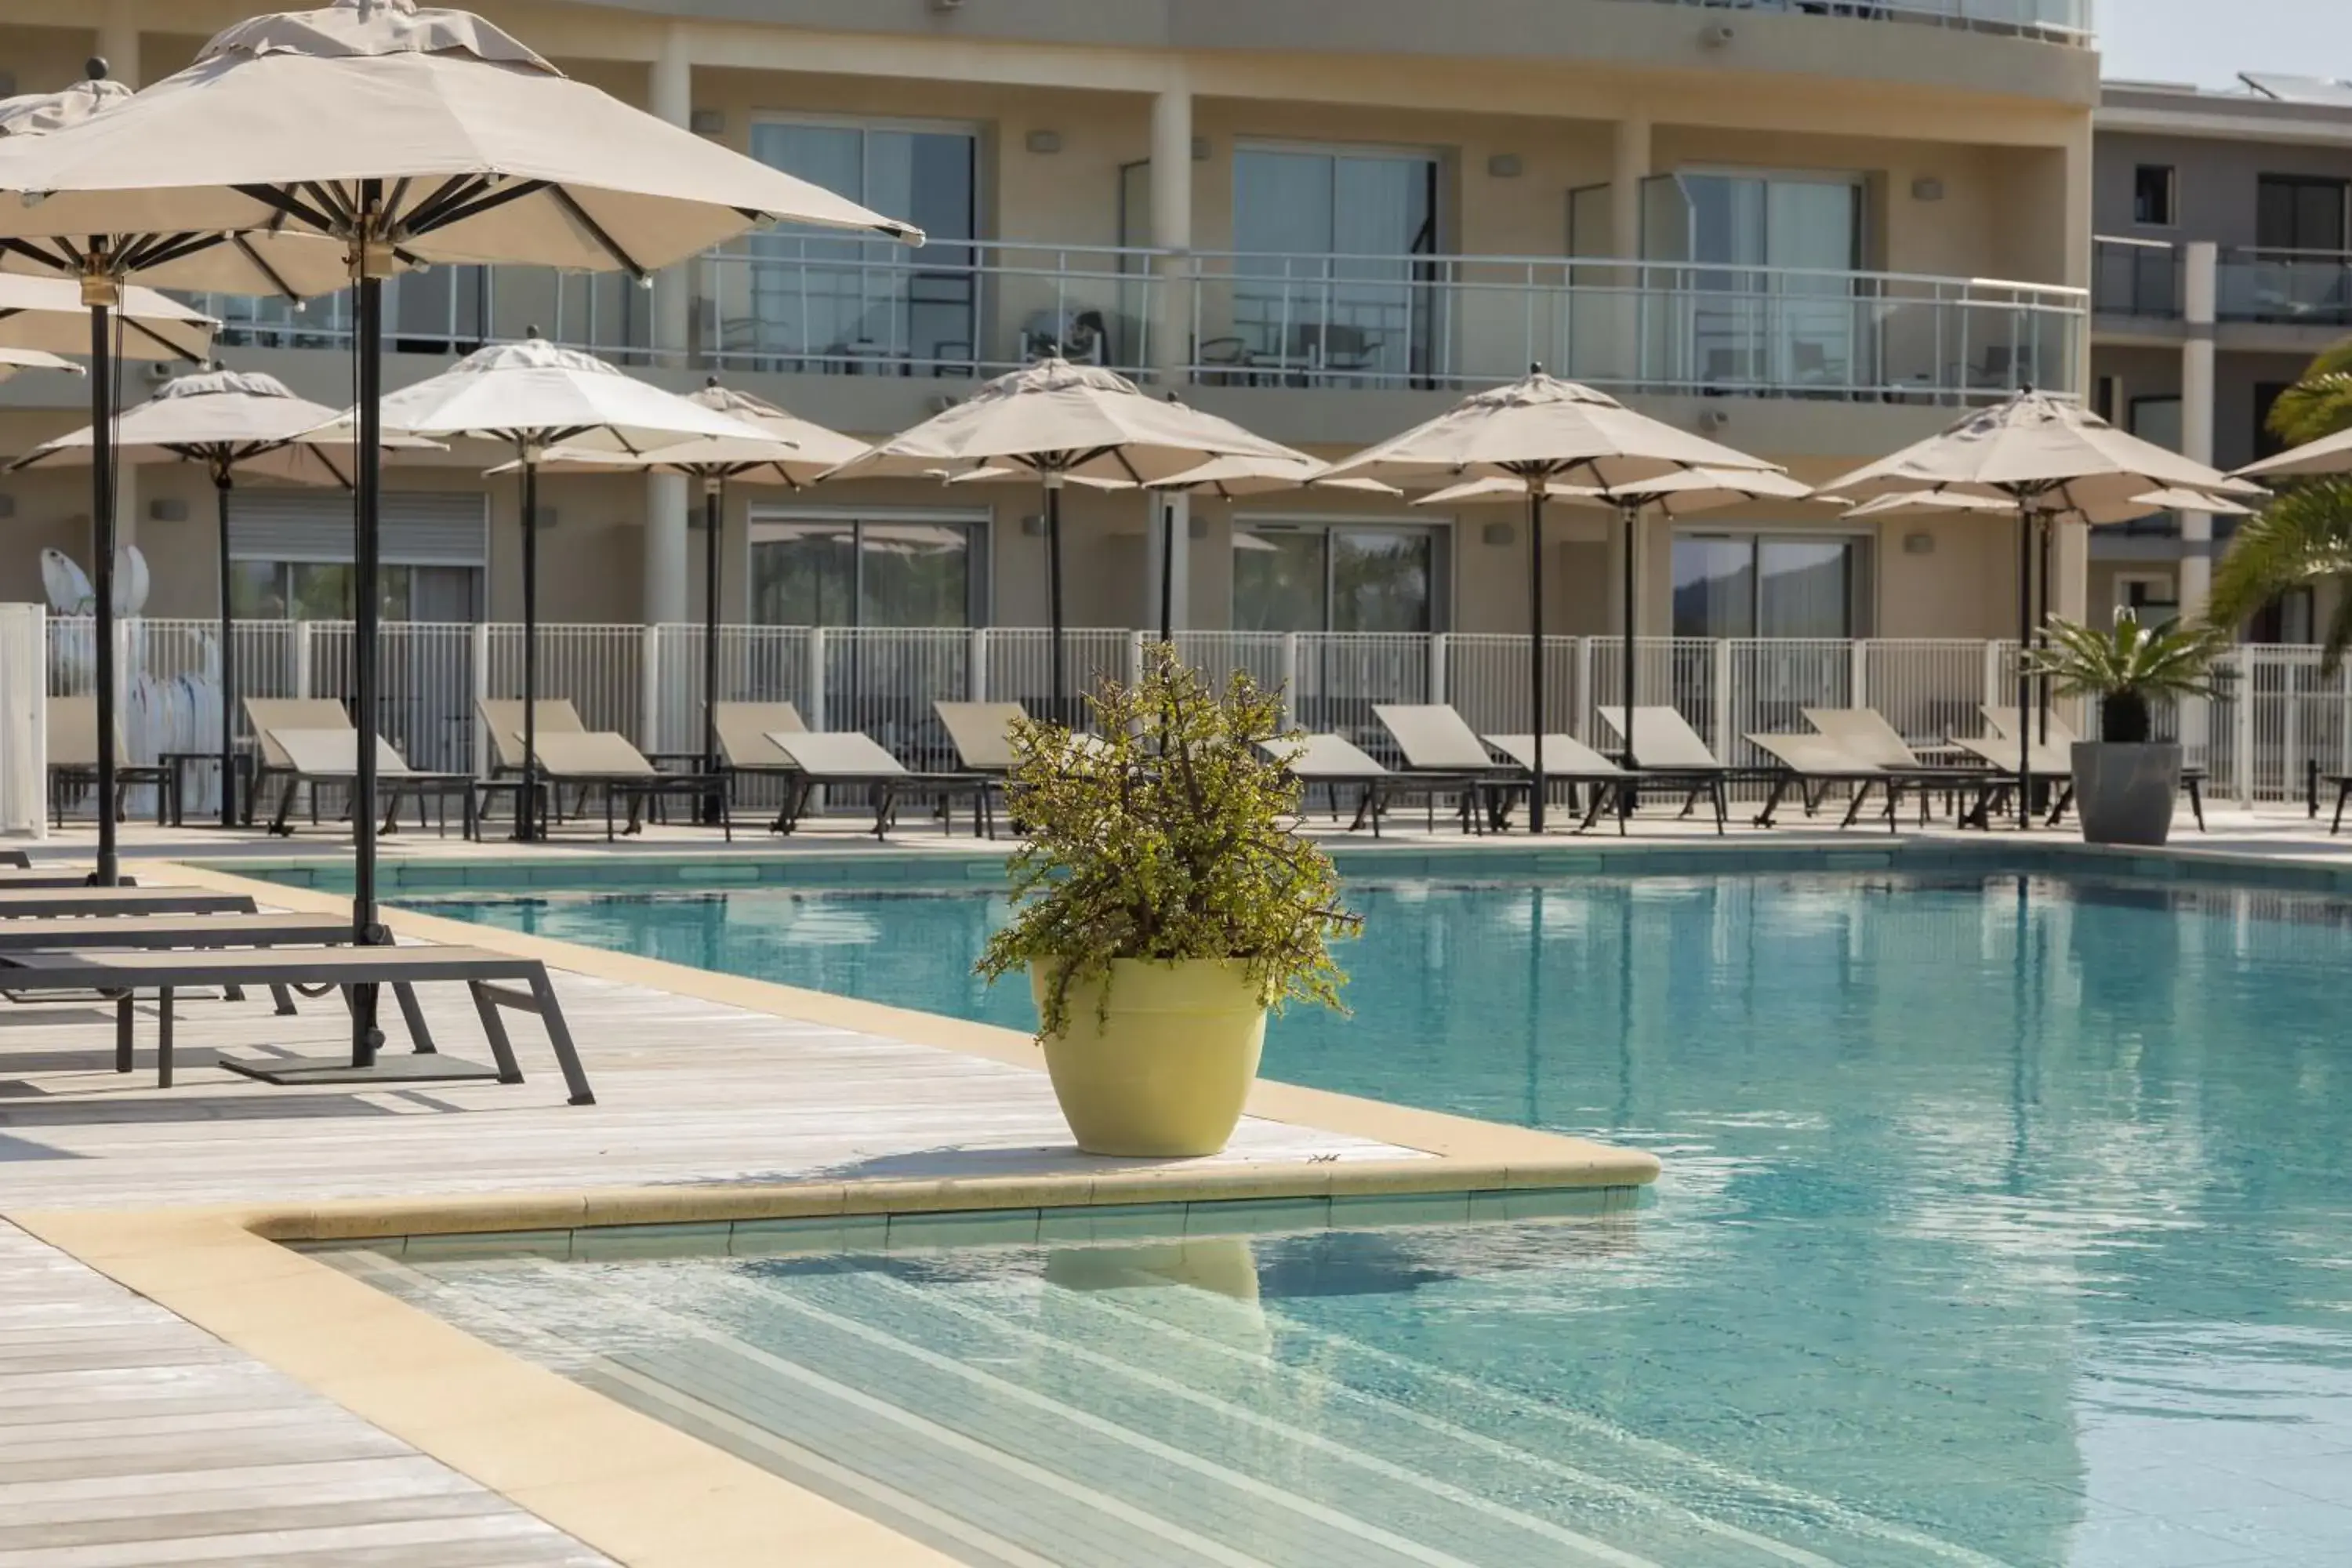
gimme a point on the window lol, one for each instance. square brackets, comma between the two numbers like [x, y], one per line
[835, 569]
[1337, 577]
[849, 303]
[2158, 419]
[2285, 619]
[322, 591]
[2299, 212]
[1327, 282]
[1758, 585]
[1768, 303]
[2154, 187]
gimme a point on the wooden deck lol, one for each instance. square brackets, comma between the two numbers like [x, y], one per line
[131, 1438]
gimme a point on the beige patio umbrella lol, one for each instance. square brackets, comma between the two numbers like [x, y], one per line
[409, 135]
[14, 360]
[1055, 422]
[2328, 455]
[535, 398]
[1536, 433]
[788, 450]
[2048, 460]
[228, 421]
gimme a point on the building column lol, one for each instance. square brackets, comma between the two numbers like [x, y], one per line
[2199, 295]
[118, 42]
[1171, 230]
[671, 98]
[1629, 166]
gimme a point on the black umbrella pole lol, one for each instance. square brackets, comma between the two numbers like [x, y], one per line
[367, 551]
[713, 509]
[1632, 535]
[1536, 658]
[1054, 590]
[101, 575]
[526, 802]
[1167, 571]
[2025, 674]
[228, 667]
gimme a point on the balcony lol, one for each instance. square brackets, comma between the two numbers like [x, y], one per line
[2136, 278]
[2052, 21]
[963, 309]
[2284, 288]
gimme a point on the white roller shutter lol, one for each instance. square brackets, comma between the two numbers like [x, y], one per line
[421, 528]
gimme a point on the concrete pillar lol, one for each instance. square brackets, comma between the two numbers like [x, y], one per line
[1172, 229]
[1171, 524]
[2199, 290]
[118, 42]
[670, 96]
[1629, 165]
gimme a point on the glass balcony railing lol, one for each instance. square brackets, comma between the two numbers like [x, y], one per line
[2054, 21]
[2139, 278]
[964, 309]
[1451, 322]
[2292, 288]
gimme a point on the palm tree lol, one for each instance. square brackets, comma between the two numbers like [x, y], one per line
[2303, 539]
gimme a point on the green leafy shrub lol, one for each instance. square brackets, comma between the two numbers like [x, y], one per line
[1168, 834]
[2127, 666]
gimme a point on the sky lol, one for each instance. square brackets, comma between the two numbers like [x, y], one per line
[2209, 42]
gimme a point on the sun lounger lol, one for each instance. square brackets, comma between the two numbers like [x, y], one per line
[1566, 757]
[71, 741]
[846, 758]
[1811, 764]
[604, 761]
[314, 757]
[15, 859]
[50, 877]
[163, 933]
[743, 743]
[1667, 752]
[1332, 761]
[1435, 739]
[502, 718]
[125, 975]
[58, 903]
[982, 734]
[2060, 736]
[2045, 764]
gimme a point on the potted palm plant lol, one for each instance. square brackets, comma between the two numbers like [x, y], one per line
[2125, 782]
[1164, 902]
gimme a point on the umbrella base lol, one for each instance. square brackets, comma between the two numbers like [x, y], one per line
[392, 1067]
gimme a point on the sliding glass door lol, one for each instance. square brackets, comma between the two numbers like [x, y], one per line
[864, 305]
[1329, 282]
[1764, 296]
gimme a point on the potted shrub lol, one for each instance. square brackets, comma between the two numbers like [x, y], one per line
[2125, 782]
[1163, 903]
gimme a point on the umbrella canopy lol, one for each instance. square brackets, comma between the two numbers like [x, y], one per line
[292, 266]
[2049, 461]
[230, 421]
[1539, 432]
[1059, 421]
[2041, 453]
[451, 143]
[1229, 477]
[787, 450]
[2328, 455]
[536, 397]
[14, 360]
[1675, 494]
[49, 314]
[1932, 503]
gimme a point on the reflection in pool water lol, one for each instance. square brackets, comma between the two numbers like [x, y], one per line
[2010, 1216]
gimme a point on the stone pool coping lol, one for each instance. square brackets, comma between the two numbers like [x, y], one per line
[622, 1482]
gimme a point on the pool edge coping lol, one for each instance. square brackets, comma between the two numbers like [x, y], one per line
[619, 1482]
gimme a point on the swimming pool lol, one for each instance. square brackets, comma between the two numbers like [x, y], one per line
[2004, 1219]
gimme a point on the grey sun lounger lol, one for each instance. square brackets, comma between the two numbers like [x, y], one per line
[1434, 739]
[50, 876]
[2044, 764]
[71, 745]
[851, 759]
[1333, 760]
[1566, 757]
[2060, 736]
[604, 761]
[743, 729]
[124, 974]
[1667, 752]
[982, 734]
[1811, 764]
[314, 757]
[65, 903]
[17, 859]
[165, 933]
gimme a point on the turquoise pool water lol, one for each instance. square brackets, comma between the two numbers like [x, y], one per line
[2004, 1220]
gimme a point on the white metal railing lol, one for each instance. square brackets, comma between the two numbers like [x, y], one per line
[1457, 321]
[2279, 715]
[2054, 21]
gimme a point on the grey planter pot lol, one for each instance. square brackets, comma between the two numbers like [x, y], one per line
[2125, 792]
